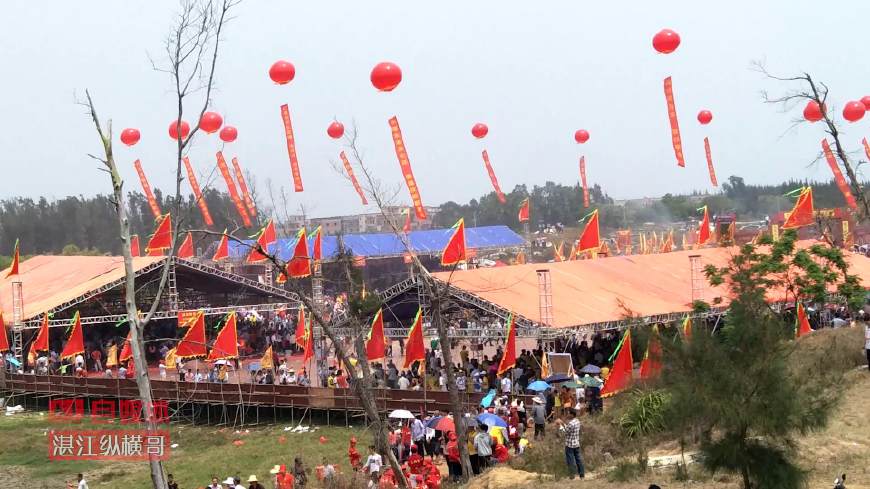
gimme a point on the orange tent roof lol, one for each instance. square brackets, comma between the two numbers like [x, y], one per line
[587, 292]
[50, 281]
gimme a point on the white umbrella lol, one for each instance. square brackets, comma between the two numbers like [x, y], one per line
[401, 414]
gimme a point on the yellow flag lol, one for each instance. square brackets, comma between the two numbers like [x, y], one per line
[169, 360]
[266, 361]
[112, 356]
[545, 366]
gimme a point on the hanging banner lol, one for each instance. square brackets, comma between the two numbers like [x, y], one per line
[231, 188]
[353, 180]
[155, 209]
[197, 192]
[838, 176]
[583, 182]
[675, 125]
[866, 147]
[493, 178]
[405, 165]
[249, 202]
[710, 162]
[291, 148]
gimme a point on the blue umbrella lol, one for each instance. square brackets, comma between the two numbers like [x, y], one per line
[487, 400]
[491, 420]
[590, 369]
[432, 422]
[558, 378]
[538, 386]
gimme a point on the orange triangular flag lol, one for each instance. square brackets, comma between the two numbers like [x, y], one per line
[545, 365]
[406, 228]
[266, 237]
[223, 248]
[704, 228]
[193, 342]
[803, 322]
[4, 338]
[317, 244]
[226, 345]
[454, 252]
[523, 214]
[300, 265]
[309, 341]
[604, 249]
[651, 365]
[300, 327]
[41, 341]
[162, 237]
[620, 374]
[802, 213]
[134, 246]
[590, 239]
[186, 249]
[415, 348]
[509, 358]
[376, 342]
[13, 269]
[76, 343]
[127, 349]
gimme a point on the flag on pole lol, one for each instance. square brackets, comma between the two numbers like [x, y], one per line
[127, 349]
[193, 342]
[222, 252]
[704, 228]
[309, 341]
[651, 366]
[4, 338]
[41, 341]
[317, 245]
[226, 345]
[300, 327]
[590, 239]
[265, 238]
[16, 257]
[455, 252]
[376, 342]
[557, 252]
[266, 362]
[545, 365]
[299, 265]
[620, 375]
[415, 348]
[186, 249]
[406, 228]
[134, 246]
[687, 328]
[509, 357]
[802, 326]
[523, 214]
[802, 213]
[162, 237]
[75, 344]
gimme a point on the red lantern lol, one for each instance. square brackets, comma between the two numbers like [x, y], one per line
[705, 116]
[386, 76]
[853, 111]
[211, 122]
[229, 134]
[173, 129]
[479, 130]
[666, 41]
[581, 136]
[812, 112]
[866, 101]
[335, 130]
[130, 136]
[282, 72]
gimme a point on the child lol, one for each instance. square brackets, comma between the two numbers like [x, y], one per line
[353, 454]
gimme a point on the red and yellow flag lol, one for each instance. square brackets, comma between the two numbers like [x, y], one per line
[668, 243]
[231, 189]
[243, 186]
[16, 258]
[193, 342]
[317, 244]
[704, 228]
[802, 326]
[162, 237]
[309, 342]
[802, 213]
[376, 343]
[405, 165]
[591, 238]
[866, 147]
[197, 193]
[687, 328]
[838, 176]
[356, 186]
[76, 342]
[299, 265]
[226, 345]
[4, 338]
[710, 162]
[651, 365]
[41, 341]
[186, 249]
[493, 178]
[676, 141]
[455, 252]
[620, 375]
[583, 182]
[415, 348]
[265, 237]
[291, 148]
[509, 357]
[523, 214]
[146, 188]
[127, 349]
[266, 362]
[604, 250]
[222, 251]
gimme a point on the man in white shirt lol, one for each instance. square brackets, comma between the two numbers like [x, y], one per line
[442, 380]
[80, 361]
[83, 484]
[404, 383]
[506, 385]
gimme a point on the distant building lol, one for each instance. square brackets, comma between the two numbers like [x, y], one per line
[642, 202]
[373, 222]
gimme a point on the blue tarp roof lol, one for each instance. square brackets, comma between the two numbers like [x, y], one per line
[387, 244]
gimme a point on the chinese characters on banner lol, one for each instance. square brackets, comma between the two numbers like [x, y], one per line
[838, 175]
[197, 192]
[291, 148]
[102, 410]
[155, 209]
[675, 125]
[249, 202]
[493, 178]
[710, 162]
[405, 165]
[583, 181]
[126, 445]
[353, 180]
[231, 188]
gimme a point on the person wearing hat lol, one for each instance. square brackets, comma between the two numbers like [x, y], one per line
[253, 483]
[283, 479]
[539, 416]
[237, 483]
[230, 483]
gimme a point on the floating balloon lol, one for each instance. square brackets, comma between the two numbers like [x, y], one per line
[812, 112]
[581, 136]
[666, 41]
[211, 122]
[853, 111]
[173, 129]
[229, 134]
[705, 116]
[866, 101]
[130, 136]
[335, 130]
[479, 130]
[386, 76]
[282, 72]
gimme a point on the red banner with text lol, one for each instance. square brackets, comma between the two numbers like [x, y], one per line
[197, 192]
[493, 178]
[291, 148]
[353, 180]
[710, 162]
[838, 176]
[146, 188]
[405, 165]
[249, 202]
[675, 125]
[231, 188]
[583, 181]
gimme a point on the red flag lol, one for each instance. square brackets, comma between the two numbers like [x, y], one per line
[134, 246]
[243, 186]
[266, 237]
[492, 178]
[317, 245]
[376, 343]
[583, 182]
[186, 249]
[803, 322]
[406, 228]
[509, 358]
[299, 265]
[523, 214]
[651, 366]
[193, 342]
[802, 213]
[349, 170]
[675, 125]
[710, 163]
[309, 342]
[146, 188]
[668, 244]
[300, 327]
[226, 345]
[127, 349]
[223, 248]
[16, 257]
[291, 148]
[197, 192]
[838, 176]
[454, 252]
[41, 341]
[405, 165]
[231, 189]
[162, 237]
[590, 239]
[415, 348]
[620, 374]
[76, 343]
[866, 147]
[4, 338]
[704, 228]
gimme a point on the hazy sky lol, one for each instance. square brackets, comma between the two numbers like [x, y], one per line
[533, 71]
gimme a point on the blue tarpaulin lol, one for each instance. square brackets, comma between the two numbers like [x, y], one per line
[386, 244]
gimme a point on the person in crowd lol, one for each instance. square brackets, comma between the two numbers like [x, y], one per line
[299, 473]
[454, 465]
[353, 454]
[373, 463]
[867, 343]
[483, 446]
[97, 359]
[418, 435]
[170, 482]
[237, 483]
[253, 483]
[539, 416]
[571, 434]
[283, 479]
[215, 483]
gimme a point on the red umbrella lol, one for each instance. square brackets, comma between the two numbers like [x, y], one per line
[445, 424]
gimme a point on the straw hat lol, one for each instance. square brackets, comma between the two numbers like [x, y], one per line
[276, 469]
[253, 478]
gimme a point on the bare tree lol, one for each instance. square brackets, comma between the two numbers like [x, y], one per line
[817, 91]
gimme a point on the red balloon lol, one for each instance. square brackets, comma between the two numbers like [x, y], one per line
[229, 134]
[130, 136]
[705, 116]
[335, 130]
[173, 129]
[386, 76]
[323, 440]
[581, 136]
[812, 112]
[666, 41]
[282, 72]
[853, 111]
[479, 130]
[211, 122]
[866, 101]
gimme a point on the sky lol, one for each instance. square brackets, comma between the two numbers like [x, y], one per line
[534, 72]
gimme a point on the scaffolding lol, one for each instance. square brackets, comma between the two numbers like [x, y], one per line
[17, 326]
[697, 278]
[545, 297]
